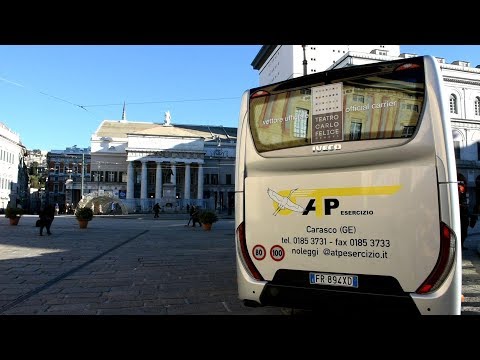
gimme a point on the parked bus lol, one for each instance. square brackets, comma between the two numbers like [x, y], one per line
[346, 187]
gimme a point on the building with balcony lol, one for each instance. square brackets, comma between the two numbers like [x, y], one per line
[67, 177]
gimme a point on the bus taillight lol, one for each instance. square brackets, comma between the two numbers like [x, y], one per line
[247, 261]
[259, 93]
[407, 67]
[444, 263]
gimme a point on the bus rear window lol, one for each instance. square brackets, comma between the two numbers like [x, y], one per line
[380, 105]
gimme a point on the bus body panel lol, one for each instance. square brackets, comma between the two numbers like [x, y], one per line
[377, 221]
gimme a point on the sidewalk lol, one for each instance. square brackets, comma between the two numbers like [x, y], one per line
[162, 216]
[473, 238]
[471, 272]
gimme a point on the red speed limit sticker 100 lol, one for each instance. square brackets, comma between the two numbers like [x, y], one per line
[277, 253]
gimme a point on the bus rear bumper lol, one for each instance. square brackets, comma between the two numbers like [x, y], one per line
[328, 302]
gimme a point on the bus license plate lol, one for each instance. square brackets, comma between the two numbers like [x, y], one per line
[334, 279]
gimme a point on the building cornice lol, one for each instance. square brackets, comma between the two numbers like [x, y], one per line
[262, 56]
[461, 81]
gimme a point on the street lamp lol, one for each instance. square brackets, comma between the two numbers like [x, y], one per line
[69, 187]
[83, 172]
[304, 61]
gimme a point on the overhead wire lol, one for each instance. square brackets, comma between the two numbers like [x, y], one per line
[84, 107]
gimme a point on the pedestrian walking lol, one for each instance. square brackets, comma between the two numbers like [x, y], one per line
[195, 217]
[46, 218]
[156, 209]
[190, 211]
[113, 208]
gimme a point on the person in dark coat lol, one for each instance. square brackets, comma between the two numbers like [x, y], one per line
[156, 209]
[466, 217]
[195, 216]
[46, 219]
[190, 212]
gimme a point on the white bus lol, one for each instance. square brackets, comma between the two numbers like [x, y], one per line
[346, 193]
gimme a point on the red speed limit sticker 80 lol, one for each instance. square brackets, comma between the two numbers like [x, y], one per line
[259, 252]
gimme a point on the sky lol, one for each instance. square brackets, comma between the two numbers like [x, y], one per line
[56, 96]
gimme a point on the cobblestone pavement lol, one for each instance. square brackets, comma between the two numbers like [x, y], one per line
[121, 266]
[471, 273]
[139, 266]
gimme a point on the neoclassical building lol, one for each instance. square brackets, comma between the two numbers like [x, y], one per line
[138, 164]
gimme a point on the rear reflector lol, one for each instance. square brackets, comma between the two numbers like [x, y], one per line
[246, 259]
[444, 263]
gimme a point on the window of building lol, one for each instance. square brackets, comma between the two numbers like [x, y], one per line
[229, 179]
[206, 179]
[408, 131]
[111, 176]
[453, 104]
[478, 150]
[300, 123]
[355, 130]
[358, 98]
[477, 106]
[411, 107]
[214, 179]
[98, 176]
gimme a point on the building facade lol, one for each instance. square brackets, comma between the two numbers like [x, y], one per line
[461, 90]
[67, 177]
[139, 164]
[13, 170]
[36, 162]
[281, 62]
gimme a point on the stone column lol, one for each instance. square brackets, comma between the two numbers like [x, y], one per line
[144, 183]
[130, 180]
[158, 181]
[173, 178]
[187, 182]
[200, 181]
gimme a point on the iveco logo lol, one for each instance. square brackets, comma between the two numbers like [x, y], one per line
[330, 147]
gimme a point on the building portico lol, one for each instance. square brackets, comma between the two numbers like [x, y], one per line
[165, 164]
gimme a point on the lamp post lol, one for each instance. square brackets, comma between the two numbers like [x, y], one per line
[68, 189]
[83, 165]
[98, 179]
[304, 63]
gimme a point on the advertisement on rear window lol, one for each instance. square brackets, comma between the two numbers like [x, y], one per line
[345, 111]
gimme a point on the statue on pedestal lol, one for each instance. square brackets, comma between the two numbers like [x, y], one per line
[168, 118]
[168, 176]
